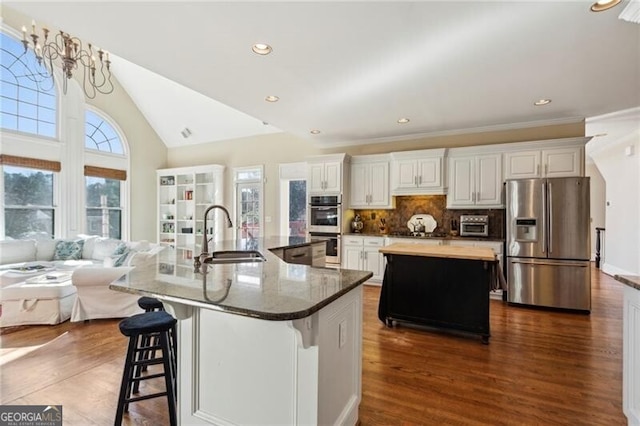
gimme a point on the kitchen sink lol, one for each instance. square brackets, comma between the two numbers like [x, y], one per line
[234, 256]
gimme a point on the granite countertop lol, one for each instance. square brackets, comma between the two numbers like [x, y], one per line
[437, 237]
[271, 290]
[630, 280]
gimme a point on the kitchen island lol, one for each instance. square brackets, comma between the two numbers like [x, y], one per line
[261, 341]
[631, 348]
[446, 287]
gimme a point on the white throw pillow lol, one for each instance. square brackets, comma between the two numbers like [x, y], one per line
[14, 251]
[104, 247]
[45, 249]
[89, 245]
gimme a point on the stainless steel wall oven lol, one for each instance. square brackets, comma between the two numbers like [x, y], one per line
[325, 214]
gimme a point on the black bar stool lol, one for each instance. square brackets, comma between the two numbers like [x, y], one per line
[138, 328]
[150, 304]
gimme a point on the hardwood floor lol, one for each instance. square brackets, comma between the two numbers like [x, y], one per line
[540, 368]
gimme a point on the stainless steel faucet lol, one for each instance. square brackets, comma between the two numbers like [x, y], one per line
[205, 243]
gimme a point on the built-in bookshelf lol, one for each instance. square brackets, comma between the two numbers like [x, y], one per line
[183, 196]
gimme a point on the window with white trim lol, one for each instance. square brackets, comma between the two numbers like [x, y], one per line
[103, 186]
[29, 208]
[249, 199]
[25, 106]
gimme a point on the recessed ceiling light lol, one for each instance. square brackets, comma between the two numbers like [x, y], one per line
[403, 120]
[261, 48]
[599, 135]
[314, 131]
[541, 102]
[602, 5]
[272, 98]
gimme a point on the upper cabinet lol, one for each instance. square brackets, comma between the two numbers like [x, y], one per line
[325, 174]
[475, 181]
[370, 182]
[417, 172]
[558, 158]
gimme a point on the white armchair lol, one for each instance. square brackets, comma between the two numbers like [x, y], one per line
[96, 300]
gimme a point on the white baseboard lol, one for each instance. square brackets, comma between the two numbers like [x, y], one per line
[614, 270]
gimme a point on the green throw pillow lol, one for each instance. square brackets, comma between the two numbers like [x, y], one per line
[120, 254]
[68, 250]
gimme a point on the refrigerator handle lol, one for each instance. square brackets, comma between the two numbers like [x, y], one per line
[550, 216]
[538, 263]
[544, 217]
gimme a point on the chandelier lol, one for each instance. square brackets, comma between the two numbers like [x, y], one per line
[68, 52]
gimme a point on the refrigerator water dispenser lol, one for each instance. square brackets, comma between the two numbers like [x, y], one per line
[526, 229]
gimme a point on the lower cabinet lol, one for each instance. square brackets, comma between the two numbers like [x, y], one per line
[361, 253]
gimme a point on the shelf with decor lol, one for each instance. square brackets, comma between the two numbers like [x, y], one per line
[183, 195]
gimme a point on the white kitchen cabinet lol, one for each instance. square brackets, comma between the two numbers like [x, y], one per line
[417, 172]
[183, 196]
[475, 181]
[548, 162]
[370, 182]
[361, 253]
[326, 174]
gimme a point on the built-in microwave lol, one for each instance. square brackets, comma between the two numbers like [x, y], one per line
[325, 214]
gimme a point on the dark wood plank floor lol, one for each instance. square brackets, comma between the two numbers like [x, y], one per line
[540, 368]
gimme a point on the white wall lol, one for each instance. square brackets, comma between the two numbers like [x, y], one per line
[617, 157]
[598, 200]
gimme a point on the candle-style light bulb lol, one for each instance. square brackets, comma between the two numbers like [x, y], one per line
[33, 26]
[24, 32]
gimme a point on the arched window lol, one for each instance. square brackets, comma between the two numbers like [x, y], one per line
[104, 186]
[101, 135]
[26, 106]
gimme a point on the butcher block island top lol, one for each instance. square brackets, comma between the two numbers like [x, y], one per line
[451, 252]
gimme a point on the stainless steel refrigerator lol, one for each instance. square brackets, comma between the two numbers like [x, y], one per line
[548, 242]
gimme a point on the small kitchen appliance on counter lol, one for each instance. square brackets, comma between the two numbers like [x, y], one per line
[357, 224]
[474, 225]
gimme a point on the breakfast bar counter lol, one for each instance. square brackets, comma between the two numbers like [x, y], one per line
[261, 341]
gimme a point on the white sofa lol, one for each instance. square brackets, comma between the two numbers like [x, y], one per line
[87, 294]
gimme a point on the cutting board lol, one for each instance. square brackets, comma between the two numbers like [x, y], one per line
[454, 252]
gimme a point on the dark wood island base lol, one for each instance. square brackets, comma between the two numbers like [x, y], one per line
[442, 287]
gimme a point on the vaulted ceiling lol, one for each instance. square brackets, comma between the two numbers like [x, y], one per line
[352, 69]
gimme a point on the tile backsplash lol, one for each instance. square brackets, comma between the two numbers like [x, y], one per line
[436, 206]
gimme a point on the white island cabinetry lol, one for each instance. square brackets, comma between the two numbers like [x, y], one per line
[238, 370]
[631, 349]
